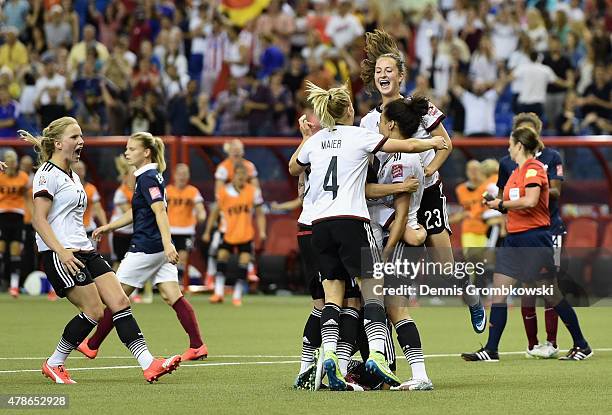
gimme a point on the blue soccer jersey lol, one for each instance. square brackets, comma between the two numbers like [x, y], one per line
[554, 170]
[150, 188]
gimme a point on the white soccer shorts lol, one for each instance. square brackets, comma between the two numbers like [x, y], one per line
[138, 267]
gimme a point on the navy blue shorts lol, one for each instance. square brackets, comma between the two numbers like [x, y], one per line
[527, 256]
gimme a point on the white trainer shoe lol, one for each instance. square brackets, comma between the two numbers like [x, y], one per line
[414, 385]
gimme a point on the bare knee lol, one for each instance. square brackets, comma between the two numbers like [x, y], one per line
[119, 302]
[94, 311]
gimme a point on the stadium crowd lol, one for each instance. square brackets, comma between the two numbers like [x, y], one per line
[189, 68]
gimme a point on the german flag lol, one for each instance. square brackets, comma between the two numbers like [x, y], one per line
[240, 12]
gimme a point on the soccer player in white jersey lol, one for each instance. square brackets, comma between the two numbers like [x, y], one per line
[338, 157]
[74, 269]
[152, 255]
[384, 69]
[396, 219]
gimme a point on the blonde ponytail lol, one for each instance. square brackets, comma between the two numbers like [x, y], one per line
[156, 145]
[329, 105]
[45, 145]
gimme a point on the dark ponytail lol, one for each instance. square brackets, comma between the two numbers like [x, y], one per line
[407, 113]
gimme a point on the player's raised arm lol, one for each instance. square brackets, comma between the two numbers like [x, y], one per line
[414, 145]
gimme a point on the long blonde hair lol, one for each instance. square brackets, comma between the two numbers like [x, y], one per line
[329, 105]
[45, 144]
[156, 145]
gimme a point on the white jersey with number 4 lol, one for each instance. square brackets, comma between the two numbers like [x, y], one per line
[338, 161]
[429, 122]
[69, 202]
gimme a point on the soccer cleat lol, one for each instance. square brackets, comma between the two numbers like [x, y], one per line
[57, 374]
[544, 351]
[210, 282]
[332, 369]
[161, 367]
[577, 353]
[199, 353]
[531, 353]
[377, 365]
[478, 316]
[319, 370]
[14, 292]
[237, 302]
[481, 355]
[84, 348]
[414, 385]
[354, 387]
[306, 379]
[216, 299]
[51, 295]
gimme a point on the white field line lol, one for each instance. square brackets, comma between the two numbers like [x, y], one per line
[264, 356]
[277, 362]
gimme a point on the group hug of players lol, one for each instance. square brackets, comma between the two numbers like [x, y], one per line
[369, 193]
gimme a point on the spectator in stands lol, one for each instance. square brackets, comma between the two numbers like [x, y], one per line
[27, 108]
[237, 52]
[87, 96]
[110, 22]
[180, 107]
[479, 105]
[203, 120]
[457, 16]
[597, 99]
[272, 57]
[156, 113]
[54, 103]
[555, 95]
[14, 13]
[519, 57]
[429, 25]
[215, 44]
[145, 78]
[173, 82]
[277, 19]
[299, 35]
[9, 113]
[49, 79]
[536, 30]
[8, 80]
[140, 29]
[560, 27]
[117, 111]
[294, 76]
[483, 67]
[575, 13]
[575, 49]
[343, 26]
[259, 107]
[318, 19]
[504, 34]
[284, 109]
[58, 31]
[473, 30]
[567, 123]
[122, 52]
[146, 53]
[230, 110]
[13, 53]
[533, 79]
[78, 53]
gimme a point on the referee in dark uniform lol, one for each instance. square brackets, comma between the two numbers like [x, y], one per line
[527, 253]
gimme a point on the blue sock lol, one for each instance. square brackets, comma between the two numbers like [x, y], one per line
[570, 319]
[497, 323]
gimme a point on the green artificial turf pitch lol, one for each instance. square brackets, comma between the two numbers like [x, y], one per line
[254, 357]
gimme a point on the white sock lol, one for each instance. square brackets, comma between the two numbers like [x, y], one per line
[220, 285]
[14, 281]
[238, 288]
[418, 371]
[211, 267]
[145, 359]
[60, 354]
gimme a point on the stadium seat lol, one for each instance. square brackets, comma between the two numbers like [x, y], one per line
[606, 240]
